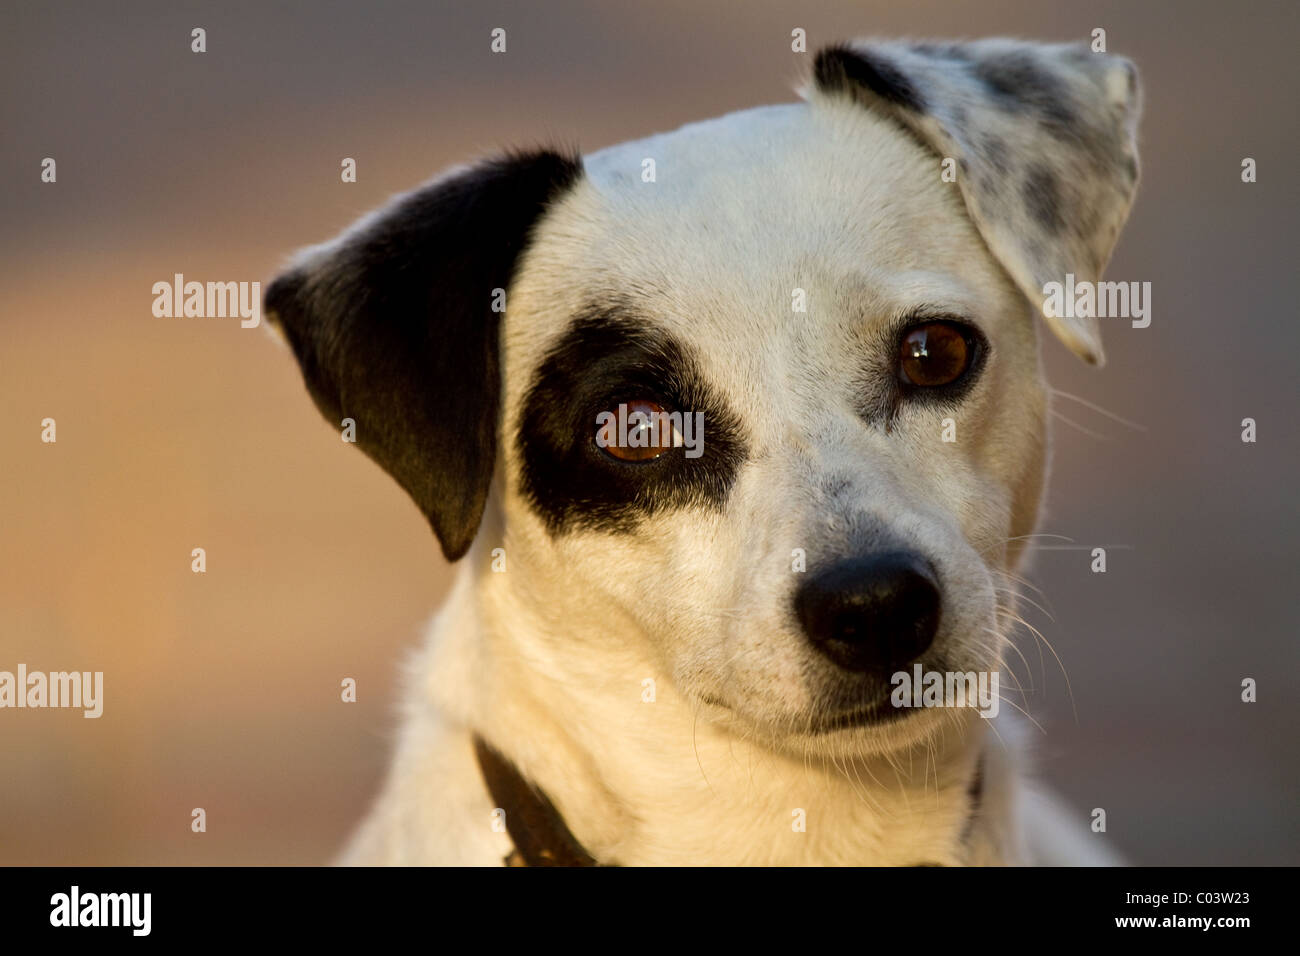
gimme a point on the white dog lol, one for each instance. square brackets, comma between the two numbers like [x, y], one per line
[672, 648]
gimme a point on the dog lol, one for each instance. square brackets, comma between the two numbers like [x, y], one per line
[654, 657]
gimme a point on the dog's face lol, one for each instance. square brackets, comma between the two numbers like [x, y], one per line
[841, 317]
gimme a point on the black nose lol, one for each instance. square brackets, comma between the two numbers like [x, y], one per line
[875, 613]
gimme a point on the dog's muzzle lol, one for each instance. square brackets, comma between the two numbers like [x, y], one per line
[874, 613]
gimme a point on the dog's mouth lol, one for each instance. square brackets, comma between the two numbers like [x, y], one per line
[871, 710]
[875, 713]
[872, 715]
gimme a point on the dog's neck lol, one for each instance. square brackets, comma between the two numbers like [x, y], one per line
[642, 782]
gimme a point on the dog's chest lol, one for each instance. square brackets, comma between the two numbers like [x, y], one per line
[760, 815]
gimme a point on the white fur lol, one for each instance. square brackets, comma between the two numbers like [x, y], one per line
[548, 659]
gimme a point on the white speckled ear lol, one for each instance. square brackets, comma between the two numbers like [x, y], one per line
[1044, 138]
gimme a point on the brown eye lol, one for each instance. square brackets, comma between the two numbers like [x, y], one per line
[937, 353]
[635, 431]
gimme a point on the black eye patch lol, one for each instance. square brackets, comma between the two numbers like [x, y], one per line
[609, 356]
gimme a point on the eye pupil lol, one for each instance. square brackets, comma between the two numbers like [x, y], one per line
[934, 354]
[635, 431]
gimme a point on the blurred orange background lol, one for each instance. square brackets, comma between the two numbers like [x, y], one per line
[222, 689]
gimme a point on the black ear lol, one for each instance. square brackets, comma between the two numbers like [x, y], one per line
[394, 327]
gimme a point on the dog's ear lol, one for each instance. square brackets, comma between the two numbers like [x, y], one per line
[1044, 140]
[395, 325]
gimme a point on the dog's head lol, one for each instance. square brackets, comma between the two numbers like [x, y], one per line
[835, 297]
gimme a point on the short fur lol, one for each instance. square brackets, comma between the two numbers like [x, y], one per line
[677, 578]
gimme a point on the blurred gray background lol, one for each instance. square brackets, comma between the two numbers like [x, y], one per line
[222, 689]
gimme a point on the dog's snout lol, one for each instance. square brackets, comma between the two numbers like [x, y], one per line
[872, 613]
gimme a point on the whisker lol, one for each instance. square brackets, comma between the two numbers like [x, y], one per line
[994, 727]
[1023, 711]
[1030, 601]
[1076, 425]
[1061, 664]
[1029, 671]
[1026, 537]
[1098, 409]
[1024, 582]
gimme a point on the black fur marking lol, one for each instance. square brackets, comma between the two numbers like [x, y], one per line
[839, 69]
[994, 152]
[975, 789]
[989, 185]
[943, 51]
[608, 356]
[1042, 195]
[1016, 82]
[395, 330]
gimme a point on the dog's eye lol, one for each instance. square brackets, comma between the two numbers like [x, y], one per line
[933, 354]
[636, 431]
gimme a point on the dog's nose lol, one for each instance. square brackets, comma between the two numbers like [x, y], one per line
[874, 613]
